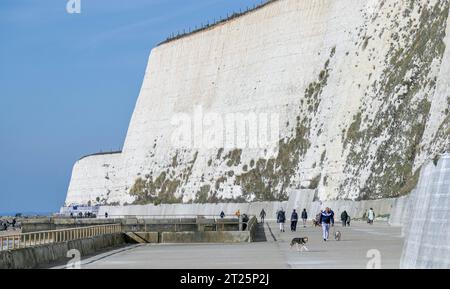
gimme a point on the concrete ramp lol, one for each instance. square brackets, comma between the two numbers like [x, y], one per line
[142, 237]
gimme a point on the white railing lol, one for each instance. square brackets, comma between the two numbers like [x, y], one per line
[26, 240]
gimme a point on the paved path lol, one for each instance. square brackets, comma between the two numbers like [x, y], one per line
[350, 252]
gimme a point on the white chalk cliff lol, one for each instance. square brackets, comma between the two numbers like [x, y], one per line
[362, 88]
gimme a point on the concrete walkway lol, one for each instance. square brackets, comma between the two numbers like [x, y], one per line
[275, 253]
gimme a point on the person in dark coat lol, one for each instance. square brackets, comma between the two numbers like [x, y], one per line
[344, 217]
[222, 215]
[304, 217]
[245, 220]
[294, 220]
[281, 219]
[262, 215]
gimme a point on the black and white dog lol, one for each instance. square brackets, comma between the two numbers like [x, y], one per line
[300, 243]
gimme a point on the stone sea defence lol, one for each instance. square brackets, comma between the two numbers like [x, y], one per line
[427, 225]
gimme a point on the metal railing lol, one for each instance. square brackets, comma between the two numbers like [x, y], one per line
[178, 216]
[26, 240]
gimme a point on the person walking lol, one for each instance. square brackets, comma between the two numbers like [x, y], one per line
[262, 215]
[344, 217]
[238, 213]
[222, 215]
[326, 220]
[370, 216]
[281, 219]
[316, 220]
[294, 221]
[245, 220]
[348, 220]
[304, 217]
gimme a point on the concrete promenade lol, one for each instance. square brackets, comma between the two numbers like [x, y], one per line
[350, 252]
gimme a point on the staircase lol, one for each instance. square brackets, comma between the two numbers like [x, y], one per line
[260, 235]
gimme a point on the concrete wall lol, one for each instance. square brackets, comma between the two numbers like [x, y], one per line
[400, 211]
[47, 224]
[427, 231]
[178, 210]
[304, 199]
[267, 62]
[205, 237]
[299, 199]
[29, 258]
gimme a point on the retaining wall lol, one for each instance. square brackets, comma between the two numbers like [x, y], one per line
[427, 229]
[42, 256]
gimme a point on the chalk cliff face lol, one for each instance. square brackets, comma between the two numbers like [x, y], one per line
[361, 88]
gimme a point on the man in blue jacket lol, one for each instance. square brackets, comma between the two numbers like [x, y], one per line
[327, 220]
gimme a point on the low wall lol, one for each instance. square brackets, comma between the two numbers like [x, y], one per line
[168, 210]
[177, 224]
[42, 256]
[48, 224]
[205, 237]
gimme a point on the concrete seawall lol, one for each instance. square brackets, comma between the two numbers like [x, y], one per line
[426, 230]
[298, 200]
[48, 224]
[168, 210]
[42, 256]
[205, 237]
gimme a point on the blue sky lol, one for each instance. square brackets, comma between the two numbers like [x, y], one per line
[69, 83]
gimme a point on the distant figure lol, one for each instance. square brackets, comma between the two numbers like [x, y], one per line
[71, 215]
[106, 215]
[262, 215]
[370, 216]
[316, 220]
[344, 217]
[348, 220]
[304, 217]
[326, 220]
[281, 219]
[294, 220]
[222, 215]
[238, 213]
[14, 223]
[245, 220]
